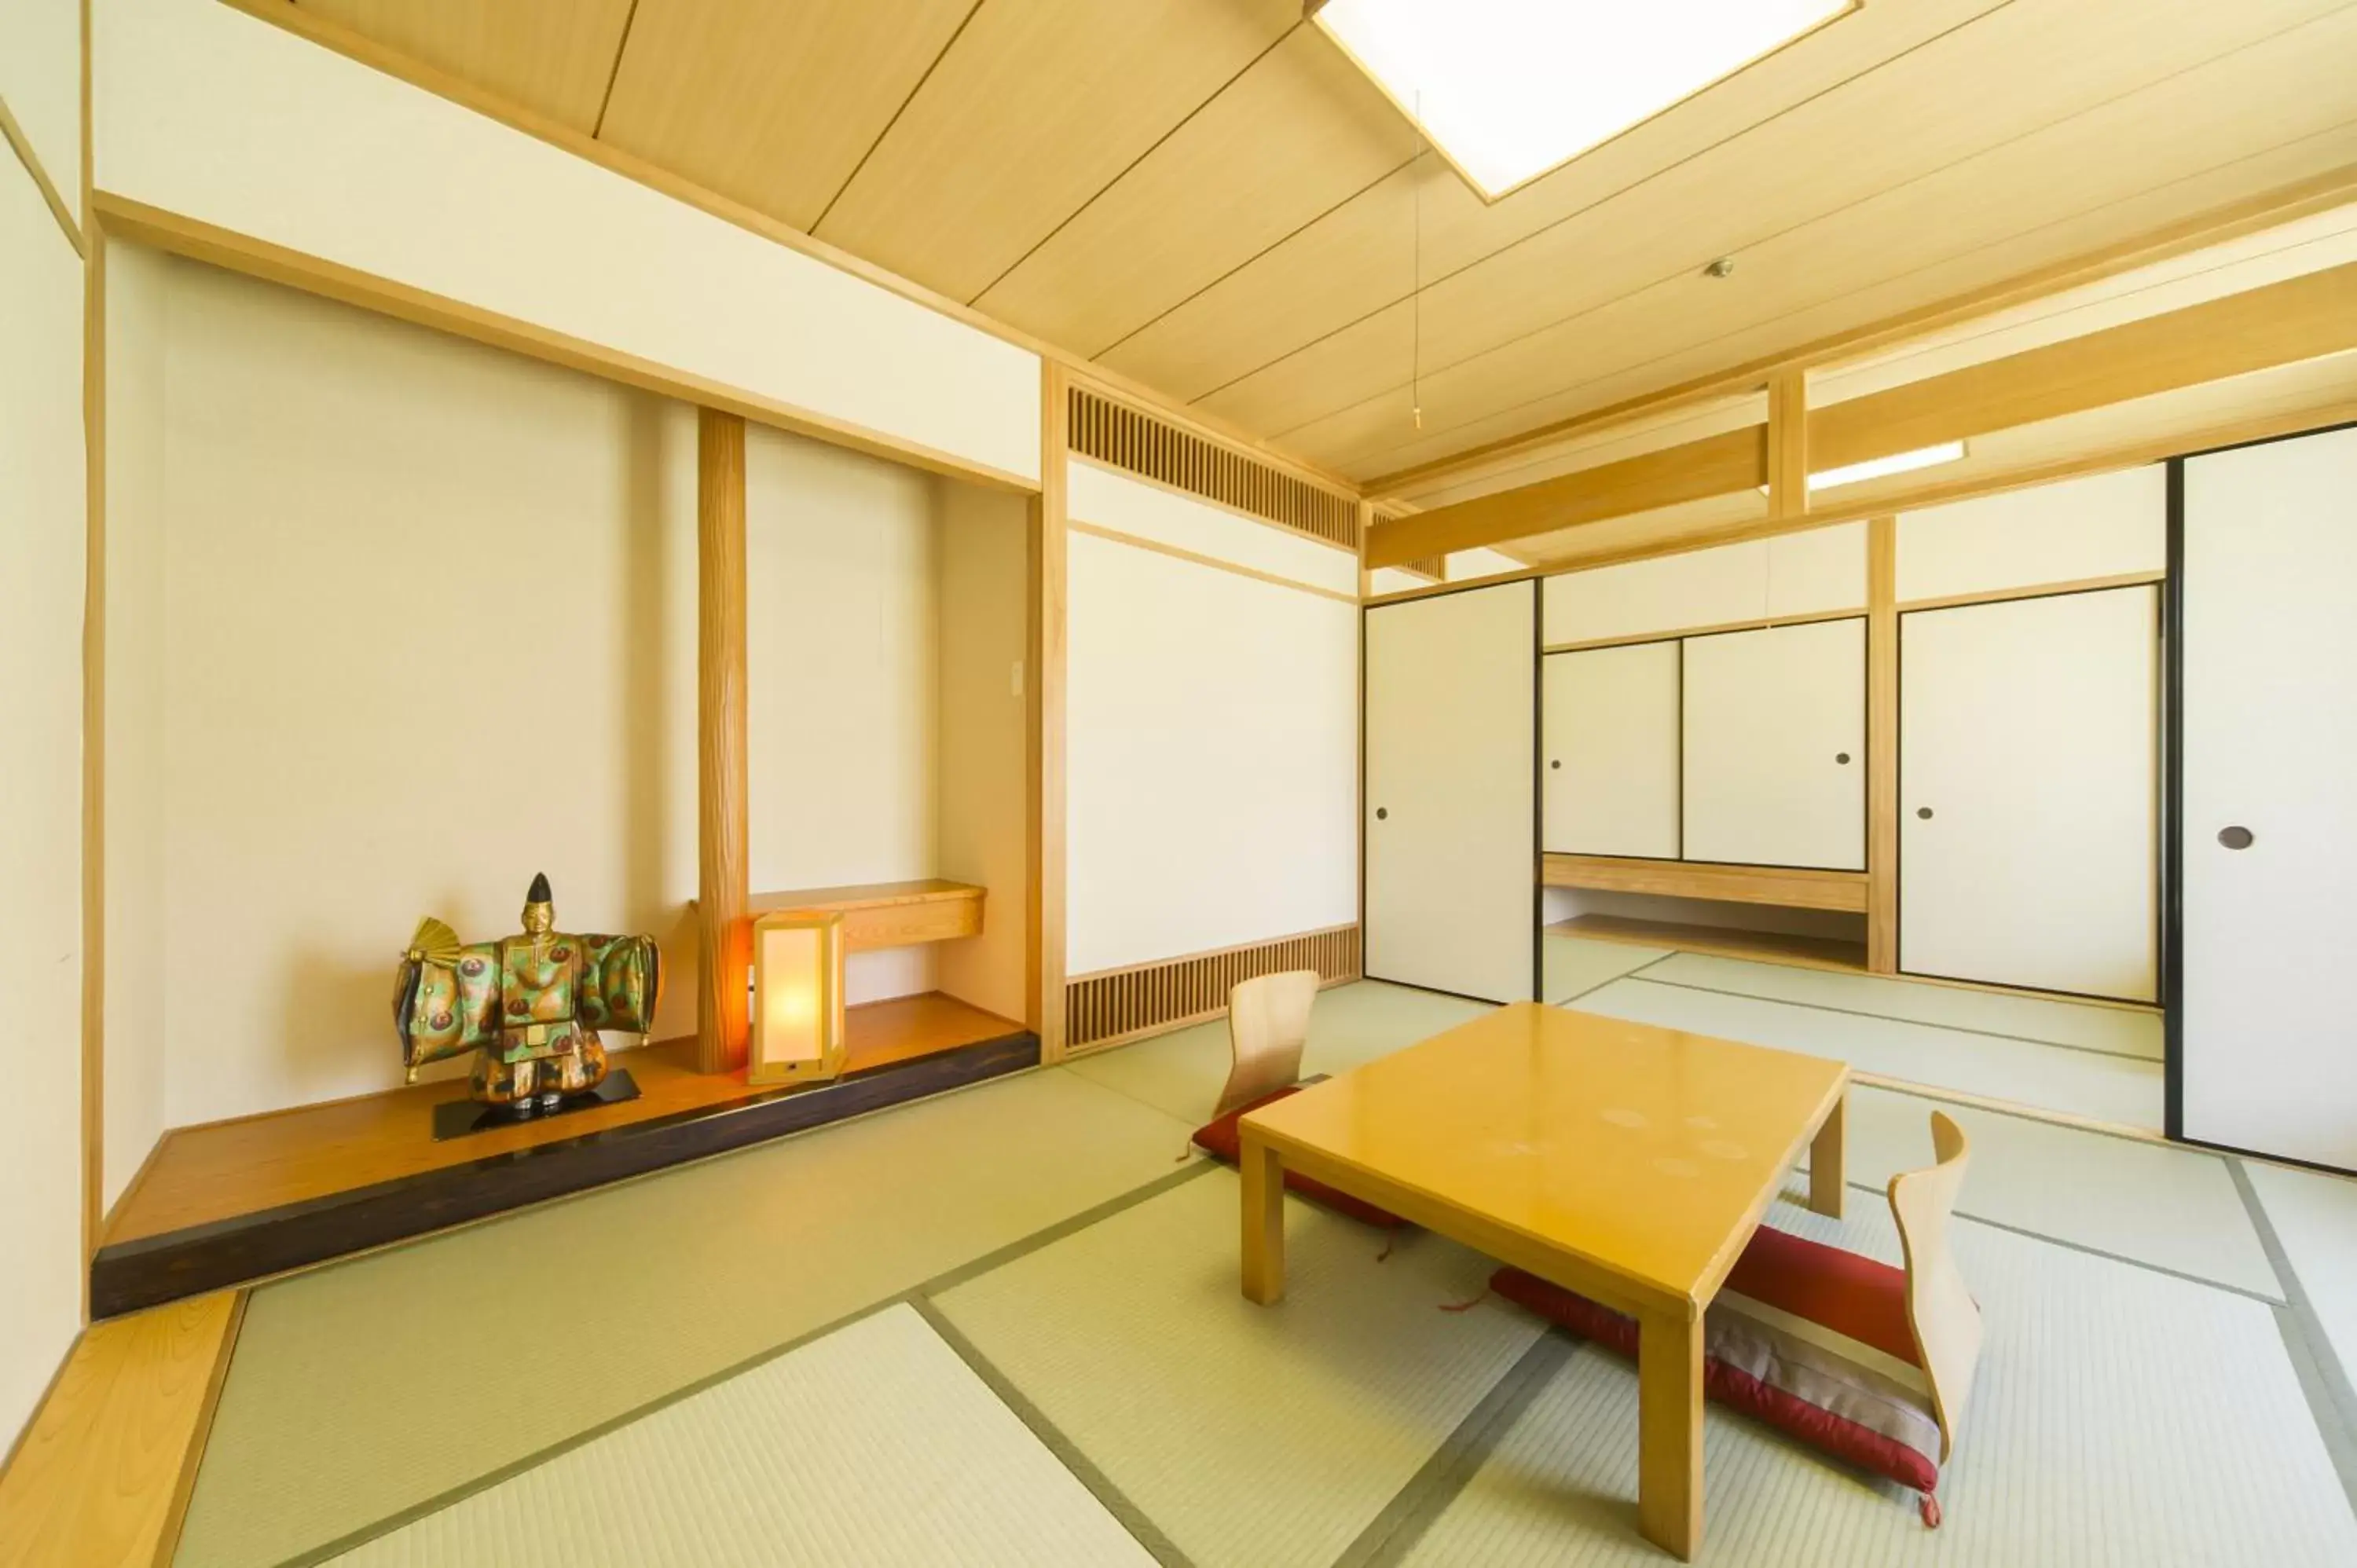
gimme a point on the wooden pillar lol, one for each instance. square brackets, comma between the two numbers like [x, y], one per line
[724, 939]
[1882, 745]
[1788, 443]
[94, 743]
[1046, 691]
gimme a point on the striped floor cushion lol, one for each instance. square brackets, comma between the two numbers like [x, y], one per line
[1219, 1139]
[1808, 1338]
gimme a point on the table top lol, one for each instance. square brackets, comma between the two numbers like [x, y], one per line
[1649, 1153]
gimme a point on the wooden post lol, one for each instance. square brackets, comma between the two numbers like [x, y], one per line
[724, 939]
[1047, 715]
[1882, 745]
[1788, 443]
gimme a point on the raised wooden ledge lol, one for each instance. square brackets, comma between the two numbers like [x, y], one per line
[1791, 888]
[889, 914]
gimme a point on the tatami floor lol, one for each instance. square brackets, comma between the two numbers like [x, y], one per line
[1003, 1326]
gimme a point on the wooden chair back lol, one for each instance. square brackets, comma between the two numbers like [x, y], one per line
[1941, 1311]
[1268, 1023]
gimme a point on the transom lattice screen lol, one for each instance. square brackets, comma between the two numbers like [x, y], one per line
[1103, 1009]
[1115, 433]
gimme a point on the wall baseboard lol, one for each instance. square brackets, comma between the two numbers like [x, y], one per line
[1115, 1006]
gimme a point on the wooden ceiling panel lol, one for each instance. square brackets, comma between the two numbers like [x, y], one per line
[1776, 180]
[1299, 132]
[771, 104]
[1358, 258]
[553, 57]
[1036, 108]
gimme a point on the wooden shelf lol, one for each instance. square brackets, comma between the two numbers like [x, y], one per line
[230, 1201]
[889, 914]
[1789, 888]
[1720, 941]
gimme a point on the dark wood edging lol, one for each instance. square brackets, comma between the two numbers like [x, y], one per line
[156, 1269]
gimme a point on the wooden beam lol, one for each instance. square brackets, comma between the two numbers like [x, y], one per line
[1788, 443]
[102, 1477]
[2300, 318]
[1882, 745]
[1049, 538]
[1714, 465]
[724, 936]
[2265, 211]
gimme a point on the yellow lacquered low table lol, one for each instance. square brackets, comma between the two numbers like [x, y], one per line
[1627, 1162]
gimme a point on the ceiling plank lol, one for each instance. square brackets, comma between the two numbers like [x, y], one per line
[772, 106]
[553, 57]
[1033, 111]
[1299, 132]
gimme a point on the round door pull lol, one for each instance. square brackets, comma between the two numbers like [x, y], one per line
[1842, 757]
[1557, 763]
[1924, 812]
[1380, 813]
[2234, 837]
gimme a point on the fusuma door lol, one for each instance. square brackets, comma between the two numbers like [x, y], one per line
[2267, 1042]
[1609, 774]
[1450, 799]
[1775, 745]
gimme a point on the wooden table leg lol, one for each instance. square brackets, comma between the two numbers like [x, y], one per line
[1264, 1237]
[1828, 1167]
[1669, 1432]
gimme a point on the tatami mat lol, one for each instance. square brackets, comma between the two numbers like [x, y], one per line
[2315, 1220]
[2124, 1031]
[1253, 1437]
[1181, 1072]
[2172, 1209]
[2121, 1090]
[874, 1444]
[2119, 1417]
[369, 1388]
[1576, 965]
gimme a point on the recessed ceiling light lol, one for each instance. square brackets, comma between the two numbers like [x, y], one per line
[1508, 89]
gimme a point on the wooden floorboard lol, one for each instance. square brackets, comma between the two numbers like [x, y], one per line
[222, 1169]
[102, 1480]
[1721, 941]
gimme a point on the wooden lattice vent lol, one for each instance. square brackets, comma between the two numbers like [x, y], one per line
[1117, 434]
[1120, 1004]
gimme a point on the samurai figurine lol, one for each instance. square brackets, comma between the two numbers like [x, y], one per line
[529, 1005]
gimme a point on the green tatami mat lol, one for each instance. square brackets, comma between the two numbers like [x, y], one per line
[1181, 1072]
[2056, 1022]
[873, 1444]
[2118, 1090]
[369, 1388]
[2172, 1209]
[1576, 965]
[1257, 1437]
[2120, 1419]
[2315, 1221]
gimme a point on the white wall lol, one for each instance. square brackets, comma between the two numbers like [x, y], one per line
[40, 79]
[1810, 573]
[2101, 526]
[426, 626]
[1468, 563]
[1102, 498]
[1210, 753]
[208, 112]
[42, 531]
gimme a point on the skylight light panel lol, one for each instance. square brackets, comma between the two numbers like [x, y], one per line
[1506, 90]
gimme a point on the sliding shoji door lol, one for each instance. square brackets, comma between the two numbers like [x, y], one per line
[2030, 771]
[1775, 745]
[2266, 1046]
[1610, 769]
[1450, 801]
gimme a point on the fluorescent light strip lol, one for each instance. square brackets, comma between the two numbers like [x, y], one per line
[1506, 90]
[1883, 467]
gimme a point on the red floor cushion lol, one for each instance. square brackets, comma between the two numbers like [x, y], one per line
[1219, 1139]
[1808, 1338]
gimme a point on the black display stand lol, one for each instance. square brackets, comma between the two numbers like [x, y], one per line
[457, 1118]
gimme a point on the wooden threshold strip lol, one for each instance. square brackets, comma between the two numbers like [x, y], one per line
[103, 1475]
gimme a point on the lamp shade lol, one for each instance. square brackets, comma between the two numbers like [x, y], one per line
[797, 1024]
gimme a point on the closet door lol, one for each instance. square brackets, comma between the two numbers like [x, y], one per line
[1611, 742]
[2268, 858]
[2029, 777]
[1775, 745]
[1451, 822]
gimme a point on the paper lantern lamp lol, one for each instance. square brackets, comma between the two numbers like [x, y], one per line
[797, 1025]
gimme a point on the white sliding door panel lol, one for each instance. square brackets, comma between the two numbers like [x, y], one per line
[1452, 829]
[2029, 793]
[1610, 735]
[1775, 747]
[2268, 1052]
